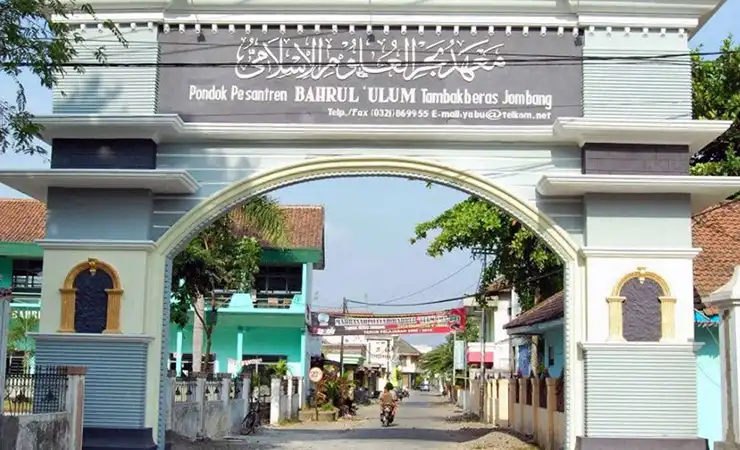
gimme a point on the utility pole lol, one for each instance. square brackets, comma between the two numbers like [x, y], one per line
[341, 343]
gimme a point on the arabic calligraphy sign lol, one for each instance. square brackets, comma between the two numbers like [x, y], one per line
[402, 77]
[325, 324]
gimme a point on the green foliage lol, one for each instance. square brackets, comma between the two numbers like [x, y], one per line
[31, 43]
[280, 369]
[439, 361]
[219, 259]
[518, 255]
[332, 389]
[716, 96]
[20, 325]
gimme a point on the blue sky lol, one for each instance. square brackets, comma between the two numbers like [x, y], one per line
[369, 220]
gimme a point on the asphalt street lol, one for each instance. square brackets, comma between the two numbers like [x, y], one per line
[424, 421]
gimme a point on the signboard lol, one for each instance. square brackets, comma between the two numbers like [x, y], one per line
[404, 76]
[246, 362]
[315, 374]
[458, 357]
[324, 324]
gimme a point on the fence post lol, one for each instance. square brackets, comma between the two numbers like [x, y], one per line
[522, 403]
[552, 400]
[534, 384]
[5, 298]
[291, 380]
[513, 405]
[503, 404]
[170, 396]
[200, 398]
[301, 393]
[75, 404]
[225, 388]
[246, 393]
[275, 401]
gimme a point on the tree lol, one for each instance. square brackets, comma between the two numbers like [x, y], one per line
[440, 360]
[519, 256]
[223, 257]
[22, 323]
[30, 42]
[716, 96]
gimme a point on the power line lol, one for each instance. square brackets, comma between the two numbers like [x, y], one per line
[534, 60]
[426, 288]
[454, 299]
[266, 44]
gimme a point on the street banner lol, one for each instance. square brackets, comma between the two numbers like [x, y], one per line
[353, 324]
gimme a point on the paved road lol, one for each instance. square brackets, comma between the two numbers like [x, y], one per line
[423, 422]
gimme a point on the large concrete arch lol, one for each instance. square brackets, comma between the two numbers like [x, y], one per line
[210, 209]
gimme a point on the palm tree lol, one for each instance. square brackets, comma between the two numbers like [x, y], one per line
[259, 217]
[22, 323]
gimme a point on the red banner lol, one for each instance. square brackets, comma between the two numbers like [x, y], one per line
[440, 322]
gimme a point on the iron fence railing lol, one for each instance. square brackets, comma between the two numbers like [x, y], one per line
[42, 390]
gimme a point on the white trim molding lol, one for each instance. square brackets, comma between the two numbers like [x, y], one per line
[171, 128]
[89, 244]
[92, 337]
[694, 133]
[651, 13]
[639, 346]
[704, 191]
[35, 183]
[647, 253]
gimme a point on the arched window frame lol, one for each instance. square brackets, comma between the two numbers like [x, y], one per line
[667, 306]
[69, 295]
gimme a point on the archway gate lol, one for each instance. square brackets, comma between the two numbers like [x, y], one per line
[144, 155]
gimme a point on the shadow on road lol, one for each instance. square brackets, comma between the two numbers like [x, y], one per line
[393, 433]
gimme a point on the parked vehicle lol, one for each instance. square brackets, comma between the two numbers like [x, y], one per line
[386, 417]
[425, 386]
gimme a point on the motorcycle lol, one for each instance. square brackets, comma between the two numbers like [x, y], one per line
[386, 417]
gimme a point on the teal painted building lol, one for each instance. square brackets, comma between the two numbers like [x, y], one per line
[255, 325]
[708, 377]
[268, 323]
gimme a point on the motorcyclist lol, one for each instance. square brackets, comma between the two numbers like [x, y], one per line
[387, 398]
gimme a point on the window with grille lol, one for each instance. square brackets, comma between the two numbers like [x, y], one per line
[276, 281]
[27, 274]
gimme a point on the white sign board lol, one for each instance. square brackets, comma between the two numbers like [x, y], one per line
[459, 355]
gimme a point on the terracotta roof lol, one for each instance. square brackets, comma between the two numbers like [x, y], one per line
[304, 223]
[497, 285]
[406, 349]
[549, 309]
[22, 220]
[716, 230]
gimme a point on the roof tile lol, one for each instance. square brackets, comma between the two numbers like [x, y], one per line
[22, 220]
[716, 230]
[549, 309]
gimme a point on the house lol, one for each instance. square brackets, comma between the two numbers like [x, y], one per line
[497, 342]
[269, 323]
[716, 231]
[21, 223]
[373, 360]
[408, 357]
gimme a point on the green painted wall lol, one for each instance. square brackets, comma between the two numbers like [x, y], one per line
[6, 271]
[256, 341]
